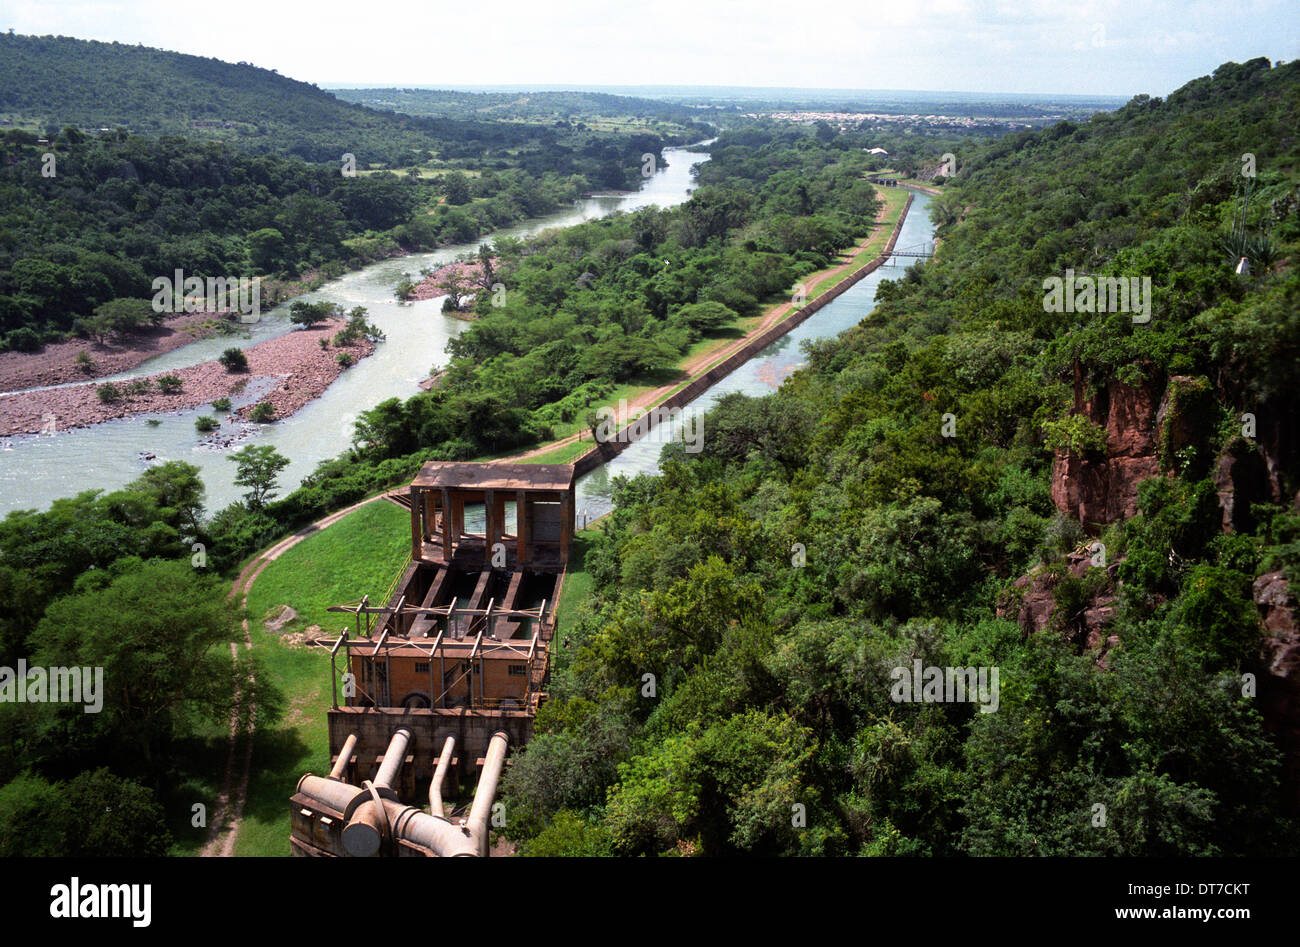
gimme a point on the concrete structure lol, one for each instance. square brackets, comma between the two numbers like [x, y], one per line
[459, 653]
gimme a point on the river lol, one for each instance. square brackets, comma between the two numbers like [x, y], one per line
[36, 469]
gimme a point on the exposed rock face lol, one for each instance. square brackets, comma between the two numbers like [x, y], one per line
[1101, 489]
[1279, 445]
[1033, 609]
[1146, 429]
[1241, 479]
[1279, 688]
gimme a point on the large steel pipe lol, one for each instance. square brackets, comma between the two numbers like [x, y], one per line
[436, 834]
[364, 832]
[394, 756]
[486, 790]
[345, 757]
[439, 776]
[341, 797]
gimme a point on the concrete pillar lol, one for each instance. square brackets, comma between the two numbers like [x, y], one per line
[446, 524]
[521, 526]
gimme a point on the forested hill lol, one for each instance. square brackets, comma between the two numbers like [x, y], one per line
[591, 108]
[53, 82]
[58, 80]
[1100, 508]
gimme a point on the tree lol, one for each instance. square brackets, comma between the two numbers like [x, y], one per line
[95, 815]
[307, 314]
[487, 274]
[159, 633]
[257, 468]
[118, 317]
[176, 488]
[454, 284]
[266, 250]
[456, 187]
[705, 316]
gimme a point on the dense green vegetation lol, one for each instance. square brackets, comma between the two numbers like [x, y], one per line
[655, 282]
[623, 298]
[830, 533]
[578, 110]
[117, 195]
[119, 581]
[769, 585]
[50, 82]
[122, 211]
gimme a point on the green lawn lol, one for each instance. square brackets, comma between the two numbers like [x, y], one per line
[563, 455]
[359, 555]
[575, 596]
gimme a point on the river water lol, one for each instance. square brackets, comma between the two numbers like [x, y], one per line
[36, 469]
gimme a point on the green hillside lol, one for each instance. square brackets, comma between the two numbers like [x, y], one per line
[903, 499]
[50, 82]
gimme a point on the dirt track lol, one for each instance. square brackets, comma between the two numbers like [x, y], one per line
[701, 363]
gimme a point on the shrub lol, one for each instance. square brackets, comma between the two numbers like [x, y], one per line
[85, 362]
[221, 404]
[169, 384]
[203, 423]
[108, 392]
[234, 360]
[344, 358]
[262, 412]
[141, 386]
[23, 340]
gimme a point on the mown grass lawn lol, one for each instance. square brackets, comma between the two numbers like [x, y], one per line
[359, 555]
[575, 597]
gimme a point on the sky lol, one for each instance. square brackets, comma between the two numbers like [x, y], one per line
[1078, 47]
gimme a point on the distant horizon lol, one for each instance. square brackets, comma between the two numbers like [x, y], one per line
[1085, 48]
[735, 91]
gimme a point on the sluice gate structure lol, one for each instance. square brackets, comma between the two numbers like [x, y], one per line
[432, 686]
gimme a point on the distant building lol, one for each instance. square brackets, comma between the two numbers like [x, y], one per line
[877, 151]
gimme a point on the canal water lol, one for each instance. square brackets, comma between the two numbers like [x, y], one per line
[761, 375]
[36, 469]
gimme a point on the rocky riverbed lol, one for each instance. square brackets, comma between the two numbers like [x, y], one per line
[300, 367]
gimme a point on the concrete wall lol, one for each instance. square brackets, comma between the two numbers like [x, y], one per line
[601, 453]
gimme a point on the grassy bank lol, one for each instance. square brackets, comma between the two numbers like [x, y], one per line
[359, 555]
